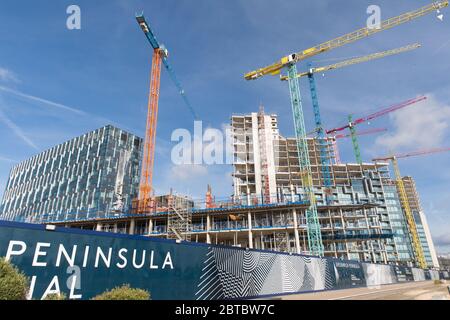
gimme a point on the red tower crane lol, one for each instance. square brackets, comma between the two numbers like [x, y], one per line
[352, 123]
[145, 202]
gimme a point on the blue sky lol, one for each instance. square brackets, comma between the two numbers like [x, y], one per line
[57, 83]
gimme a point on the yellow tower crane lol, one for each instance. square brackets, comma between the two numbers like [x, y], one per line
[275, 69]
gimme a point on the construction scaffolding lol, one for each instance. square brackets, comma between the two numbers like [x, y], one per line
[280, 240]
[179, 220]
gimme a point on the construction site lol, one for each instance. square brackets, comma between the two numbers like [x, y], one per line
[290, 194]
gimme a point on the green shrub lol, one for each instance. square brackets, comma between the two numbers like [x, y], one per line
[124, 293]
[55, 296]
[13, 283]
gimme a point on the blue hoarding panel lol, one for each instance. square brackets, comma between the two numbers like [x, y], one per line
[83, 264]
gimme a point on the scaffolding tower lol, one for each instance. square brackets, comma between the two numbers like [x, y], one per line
[179, 220]
[280, 240]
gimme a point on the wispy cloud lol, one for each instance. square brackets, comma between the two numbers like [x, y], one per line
[420, 126]
[17, 130]
[6, 159]
[61, 106]
[439, 49]
[41, 100]
[187, 172]
[8, 76]
[442, 242]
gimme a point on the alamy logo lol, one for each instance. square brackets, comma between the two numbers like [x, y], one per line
[374, 20]
[73, 21]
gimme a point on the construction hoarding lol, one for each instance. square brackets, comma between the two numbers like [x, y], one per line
[83, 264]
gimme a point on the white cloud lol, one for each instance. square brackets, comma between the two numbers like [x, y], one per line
[61, 106]
[17, 130]
[41, 100]
[442, 240]
[8, 76]
[442, 243]
[187, 172]
[421, 126]
[6, 159]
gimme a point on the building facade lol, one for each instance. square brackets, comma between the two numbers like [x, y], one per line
[90, 181]
[357, 224]
[85, 177]
[352, 184]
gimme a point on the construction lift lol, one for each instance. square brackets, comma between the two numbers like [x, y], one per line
[353, 123]
[320, 134]
[145, 203]
[289, 62]
[264, 160]
[417, 247]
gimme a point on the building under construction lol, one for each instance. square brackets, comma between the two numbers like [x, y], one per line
[363, 221]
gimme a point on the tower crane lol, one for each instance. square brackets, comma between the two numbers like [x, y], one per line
[320, 134]
[289, 62]
[160, 55]
[418, 250]
[353, 123]
[342, 135]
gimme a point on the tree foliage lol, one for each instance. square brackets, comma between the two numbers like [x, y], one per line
[124, 292]
[13, 283]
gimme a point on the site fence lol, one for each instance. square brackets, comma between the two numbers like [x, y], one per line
[84, 263]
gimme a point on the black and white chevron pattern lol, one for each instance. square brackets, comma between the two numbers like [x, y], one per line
[239, 273]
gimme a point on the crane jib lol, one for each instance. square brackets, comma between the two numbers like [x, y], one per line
[147, 31]
[345, 39]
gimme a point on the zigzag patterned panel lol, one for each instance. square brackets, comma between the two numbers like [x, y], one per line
[239, 273]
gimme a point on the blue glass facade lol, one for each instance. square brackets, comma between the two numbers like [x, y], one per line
[90, 176]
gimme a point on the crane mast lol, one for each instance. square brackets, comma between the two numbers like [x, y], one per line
[355, 143]
[145, 186]
[322, 141]
[315, 243]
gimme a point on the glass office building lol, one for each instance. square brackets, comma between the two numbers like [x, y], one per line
[93, 175]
